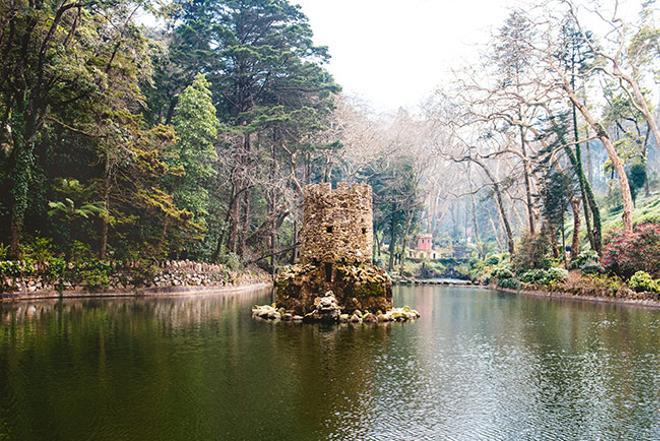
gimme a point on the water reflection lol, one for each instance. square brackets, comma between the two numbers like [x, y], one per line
[478, 365]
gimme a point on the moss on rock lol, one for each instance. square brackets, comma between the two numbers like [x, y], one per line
[360, 286]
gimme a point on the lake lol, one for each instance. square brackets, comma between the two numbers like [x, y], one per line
[478, 365]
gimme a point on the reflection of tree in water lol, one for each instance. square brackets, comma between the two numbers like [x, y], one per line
[591, 365]
[177, 311]
[477, 363]
[497, 364]
[196, 365]
[119, 365]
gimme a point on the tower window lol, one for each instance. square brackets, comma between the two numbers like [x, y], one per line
[364, 230]
[328, 229]
[328, 272]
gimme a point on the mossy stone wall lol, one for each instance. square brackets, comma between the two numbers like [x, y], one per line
[338, 224]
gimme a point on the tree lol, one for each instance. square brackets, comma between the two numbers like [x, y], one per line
[512, 55]
[562, 78]
[556, 196]
[637, 177]
[396, 201]
[629, 54]
[54, 55]
[271, 92]
[576, 56]
[196, 127]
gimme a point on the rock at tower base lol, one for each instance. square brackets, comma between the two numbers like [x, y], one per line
[362, 286]
[336, 280]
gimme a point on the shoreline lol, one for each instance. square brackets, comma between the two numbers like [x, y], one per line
[554, 295]
[180, 291]
[170, 291]
[558, 295]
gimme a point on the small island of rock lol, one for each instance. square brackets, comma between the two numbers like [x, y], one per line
[336, 279]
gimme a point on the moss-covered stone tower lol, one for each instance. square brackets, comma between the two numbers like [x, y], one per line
[336, 249]
[337, 224]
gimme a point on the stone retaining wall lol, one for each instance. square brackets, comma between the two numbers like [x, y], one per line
[127, 278]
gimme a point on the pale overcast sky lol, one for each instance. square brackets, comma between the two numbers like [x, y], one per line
[395, 52]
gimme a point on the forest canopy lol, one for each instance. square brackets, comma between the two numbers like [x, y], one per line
[192, 136]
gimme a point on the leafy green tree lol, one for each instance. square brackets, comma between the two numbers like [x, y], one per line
[271, 92]
[396, 202]
[637, 177]
[56, 56]
[196, 128]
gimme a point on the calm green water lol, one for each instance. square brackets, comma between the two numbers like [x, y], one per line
[478, 366]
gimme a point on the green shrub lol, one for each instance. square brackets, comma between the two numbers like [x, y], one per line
[16, 268]
[431, 270]
[502, 272]
[231, 261]
[39, 249]
[4, 251]
[492, 259]
[94, 274]
[142, 272]
[592, 268]
[534, 276]
[585, 257]
[80, 252]
[557, 274]
[463, 271]
[437, 267]
[544, 277]
[509, 283]
[642, 281]
[95, 279]
[55, 272]
[10, 268]
[533, 253]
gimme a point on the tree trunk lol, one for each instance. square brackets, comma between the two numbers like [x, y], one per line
[103, 239]
[245, 224]
[404, 241]
[235, 217]
[496, 233]
[645, 150]
[575, 243]
[244, 229]
[528, 191]
[576, 161]
[390, 265]
[163, 236]
[475, 226]
[376, 249]
[22, 164]
[590, 205]
[271, 210]
[500, 205]
[594, 232]
[273, 245]
[294, 252]
[617, 164]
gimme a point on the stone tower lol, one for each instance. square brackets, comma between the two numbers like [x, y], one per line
[338, 224]
[335, 250]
